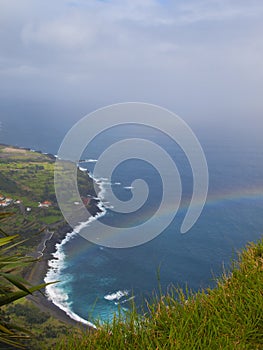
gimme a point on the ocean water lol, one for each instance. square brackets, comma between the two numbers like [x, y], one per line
[97, 280]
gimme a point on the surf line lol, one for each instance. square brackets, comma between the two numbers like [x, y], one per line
[56, 293]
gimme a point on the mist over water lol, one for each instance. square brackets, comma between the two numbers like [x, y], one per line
[96, 280]
[231, 217]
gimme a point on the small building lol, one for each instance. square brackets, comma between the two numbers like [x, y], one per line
[85, 200]
[5, 202]
[45, 204]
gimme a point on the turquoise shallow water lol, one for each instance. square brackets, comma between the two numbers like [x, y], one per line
[96, 280]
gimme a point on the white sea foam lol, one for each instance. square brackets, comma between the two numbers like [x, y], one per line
[128, 187]
[87, 161]
[116, 295]
[108, 205]
[91, 160]
[55, 292]
[108, 183]
[124, 301]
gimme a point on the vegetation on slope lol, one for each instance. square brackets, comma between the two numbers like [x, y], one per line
[12, 287]
[227, 317]
[28, 179]
[22, 324]
[43, 330]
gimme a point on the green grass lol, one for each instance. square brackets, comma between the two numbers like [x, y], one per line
[29, 177]
[227, 317]
[51, 219]
[45, 330]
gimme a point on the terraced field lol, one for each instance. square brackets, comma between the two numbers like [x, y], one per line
[27, 179]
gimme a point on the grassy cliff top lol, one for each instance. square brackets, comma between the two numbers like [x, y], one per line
[227, 317]
[13, 153]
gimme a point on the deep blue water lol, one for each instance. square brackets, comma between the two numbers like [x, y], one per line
[231, 217]
[98, 279]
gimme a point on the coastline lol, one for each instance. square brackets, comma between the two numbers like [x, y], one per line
[50, 241]
[45, 251]
[37, 274]
[55, 256]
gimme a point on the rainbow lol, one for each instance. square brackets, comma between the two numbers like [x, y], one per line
[240, 194]
[214, 199]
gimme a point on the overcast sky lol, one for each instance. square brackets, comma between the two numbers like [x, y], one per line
[60, 59]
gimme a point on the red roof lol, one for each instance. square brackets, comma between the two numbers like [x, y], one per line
[85, 200]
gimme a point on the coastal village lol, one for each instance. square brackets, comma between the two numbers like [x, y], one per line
[6, 202]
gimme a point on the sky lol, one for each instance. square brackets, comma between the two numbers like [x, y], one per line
[59, 60]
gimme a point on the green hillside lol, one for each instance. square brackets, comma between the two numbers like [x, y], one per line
[229, 316]
[27, 179]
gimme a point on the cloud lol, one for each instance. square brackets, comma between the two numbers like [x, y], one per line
[217, 10]
[68, 34]
[194, 56]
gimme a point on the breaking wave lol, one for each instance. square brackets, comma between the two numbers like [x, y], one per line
[58, 293]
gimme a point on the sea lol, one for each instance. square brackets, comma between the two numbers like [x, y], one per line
[97, 281]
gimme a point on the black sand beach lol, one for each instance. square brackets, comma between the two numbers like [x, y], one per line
[38, 272]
